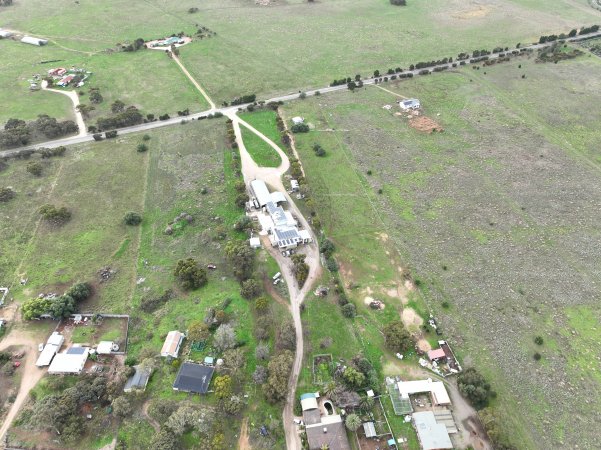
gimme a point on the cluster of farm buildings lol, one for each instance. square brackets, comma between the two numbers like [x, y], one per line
[279, 225]
[64, 77]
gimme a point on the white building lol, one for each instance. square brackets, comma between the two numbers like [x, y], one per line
[172, 344]
[104, 348]
[436, 389]
[294, 185]
[255, 242]
[432, 435]
[34, 41]
[5, 34]
[53, 345]
[72, 361]
[410, 104]
[297, 120]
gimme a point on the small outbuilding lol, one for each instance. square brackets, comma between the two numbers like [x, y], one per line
[172, 344]
[53, 345]
[104, 348]
[4, 34]
[138, 380]
[34, 41]
[193, 378]
[409, 104]
[369, 429]
[294, 185]
[431, 434]
[255, 242]
[436, 355]
[297, 120]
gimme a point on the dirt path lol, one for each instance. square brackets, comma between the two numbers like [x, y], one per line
[30, 373]
[390, 92]
[243, 442]
[194, 82]
[272, 176]
[75, 100]
[151, 421]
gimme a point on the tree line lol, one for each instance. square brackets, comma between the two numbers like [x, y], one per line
[17, 132]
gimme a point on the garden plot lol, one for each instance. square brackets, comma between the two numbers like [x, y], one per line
[94, 330]
[496, 217]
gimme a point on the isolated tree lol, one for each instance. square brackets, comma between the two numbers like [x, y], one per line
[132, 218]
[6, 194]
[54, 215]
[34, 168]
[95, 96]
[349, 310]
[85, 110]
[397, 337]
[352, 422]
[198, 331]
[224, 337]
[141, 148]
[190, 274]
[300, 269]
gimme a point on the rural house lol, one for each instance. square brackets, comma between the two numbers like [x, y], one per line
[410, 104]
[70, 362]
[432, 435]
[53, 345]
[323, 430]
[193, 378]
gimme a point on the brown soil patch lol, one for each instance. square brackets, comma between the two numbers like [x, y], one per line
[477, 13]
[424, 345]
[424, 124]
[411, 319]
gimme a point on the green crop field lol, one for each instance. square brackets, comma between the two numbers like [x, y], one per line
[494, 216]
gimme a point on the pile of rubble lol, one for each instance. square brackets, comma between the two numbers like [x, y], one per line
[106, 273]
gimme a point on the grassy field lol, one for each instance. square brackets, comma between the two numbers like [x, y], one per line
[186, 169]
[118, 76]
[496, 216]
[339, 39]
[261, 152]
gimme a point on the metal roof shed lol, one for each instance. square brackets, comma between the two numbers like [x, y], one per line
[138, 380]
[104, 348]
[193, 378]
[432, 435]
[370, 429]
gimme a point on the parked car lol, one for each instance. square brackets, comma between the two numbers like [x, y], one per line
[40, 347]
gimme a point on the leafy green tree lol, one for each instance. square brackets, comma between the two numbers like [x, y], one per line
[141, 148]
[224, 337]
[397, 337]
[262, 304]
[6, 194]
[132, 218]
[34, 308]
[232, 405]
[35, 168]
[80, 291]
[474, 388]
[279, 369]
[352, 422]
[190, 274]
[54, 215]
[242, 257]
[117, 106]
[353, 377]
[122, 407]
[250, 289]
[349, 310]
[223, 386]
[198, 331]
[327, 248]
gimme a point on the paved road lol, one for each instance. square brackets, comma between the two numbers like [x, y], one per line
[232, 109]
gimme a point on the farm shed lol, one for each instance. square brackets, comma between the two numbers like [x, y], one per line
[436, 354]
[294, 185]
[436, 389]
[34, 41]
[72, 361]
[260, 191]
[370, 429]
[255, 242]
[53, 345]
[173, 341]
[431, 434]
[409, 104]
[138, 380]
[329, 433]
[297, 120]
[5, 34]
[193, 378]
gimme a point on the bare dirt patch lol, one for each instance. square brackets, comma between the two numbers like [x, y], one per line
[477, 13]
[411, 319]
[424, 124]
